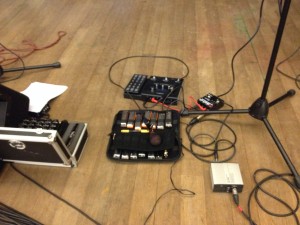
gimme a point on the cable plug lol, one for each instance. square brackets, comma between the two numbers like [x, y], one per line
[235, 196]
[216, 154]
[195, 120]
[184, 112]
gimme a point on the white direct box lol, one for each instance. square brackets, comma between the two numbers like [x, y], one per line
[225, 176]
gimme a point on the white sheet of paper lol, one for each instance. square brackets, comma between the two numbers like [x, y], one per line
[41, 93]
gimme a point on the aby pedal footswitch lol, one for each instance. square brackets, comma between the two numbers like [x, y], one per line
[163, 89]
[145, 135]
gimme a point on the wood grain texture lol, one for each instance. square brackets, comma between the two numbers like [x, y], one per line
[205, 35]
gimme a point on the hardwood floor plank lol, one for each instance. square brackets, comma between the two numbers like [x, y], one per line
[203, 34]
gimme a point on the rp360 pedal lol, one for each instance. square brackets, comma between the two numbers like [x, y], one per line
[164, 89]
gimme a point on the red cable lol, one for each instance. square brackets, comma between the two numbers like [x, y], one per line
[32, 47]
[240, 208]
[157, 102]
[197, 104]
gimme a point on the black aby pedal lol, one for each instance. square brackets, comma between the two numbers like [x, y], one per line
[211, 102]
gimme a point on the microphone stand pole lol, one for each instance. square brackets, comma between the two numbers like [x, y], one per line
[260, 108]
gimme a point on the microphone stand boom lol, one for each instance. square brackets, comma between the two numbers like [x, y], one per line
[53, 65]
[260, 108]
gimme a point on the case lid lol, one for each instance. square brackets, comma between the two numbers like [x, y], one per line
[14, 107]
[32, 145]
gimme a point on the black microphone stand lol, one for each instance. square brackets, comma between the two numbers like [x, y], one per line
[260, 108]
[53, 65]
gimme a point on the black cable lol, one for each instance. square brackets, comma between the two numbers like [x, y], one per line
[258, 187]
[23, 65]
[212, 147]
[241, 48]
[54, 195]
[297, 76]
[182, 191]
[254, 194]
[235, 197]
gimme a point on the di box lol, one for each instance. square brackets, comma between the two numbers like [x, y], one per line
[43, 147]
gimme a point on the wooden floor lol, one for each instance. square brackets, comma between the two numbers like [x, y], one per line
[205, 35]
